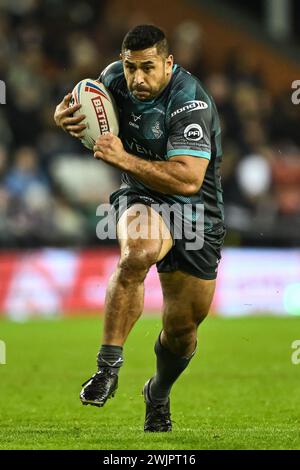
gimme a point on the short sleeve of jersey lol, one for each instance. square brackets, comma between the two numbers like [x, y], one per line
[189, 121]
[110, 75]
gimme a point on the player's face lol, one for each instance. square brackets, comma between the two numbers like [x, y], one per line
[146, 72]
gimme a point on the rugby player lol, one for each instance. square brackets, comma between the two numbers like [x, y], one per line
[169, 150]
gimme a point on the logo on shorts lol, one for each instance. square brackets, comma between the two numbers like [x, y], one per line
[193, 132]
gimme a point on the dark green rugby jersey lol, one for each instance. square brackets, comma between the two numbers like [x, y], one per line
[182, 120]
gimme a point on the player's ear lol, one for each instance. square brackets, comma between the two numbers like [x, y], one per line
[169, 63]
[121, 56]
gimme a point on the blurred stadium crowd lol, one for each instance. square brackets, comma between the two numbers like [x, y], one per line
[50, 185]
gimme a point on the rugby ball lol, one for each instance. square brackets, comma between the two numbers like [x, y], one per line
[98, 105]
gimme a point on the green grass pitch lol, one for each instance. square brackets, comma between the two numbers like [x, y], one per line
[241, 391]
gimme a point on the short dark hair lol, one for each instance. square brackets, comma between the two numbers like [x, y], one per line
[144, 36]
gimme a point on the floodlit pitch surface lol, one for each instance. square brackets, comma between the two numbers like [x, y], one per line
[241, 390]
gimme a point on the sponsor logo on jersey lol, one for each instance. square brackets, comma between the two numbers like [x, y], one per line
[157, 130]
[135, 118]
[101, 115]
[193, 132]
[190, 106]
[138, 149]
[132, 124]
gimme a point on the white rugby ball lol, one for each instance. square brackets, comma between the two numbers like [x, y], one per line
[98, 105]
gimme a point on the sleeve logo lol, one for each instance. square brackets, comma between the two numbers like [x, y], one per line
[193, 132]
[190, 106]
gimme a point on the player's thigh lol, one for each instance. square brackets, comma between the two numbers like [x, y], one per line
[141, 227]
[187, 299]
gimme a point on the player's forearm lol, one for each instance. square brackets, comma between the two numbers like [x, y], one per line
[168, 177]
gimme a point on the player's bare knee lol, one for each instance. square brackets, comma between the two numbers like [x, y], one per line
[135, 263]
[181, 340]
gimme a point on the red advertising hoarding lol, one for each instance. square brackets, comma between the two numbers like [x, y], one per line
[51, 282]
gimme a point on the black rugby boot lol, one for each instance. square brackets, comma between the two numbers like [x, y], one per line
[99, 388]
[158, 417]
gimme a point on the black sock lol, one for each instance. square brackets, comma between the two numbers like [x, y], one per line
[169, 366]
[110, 357]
